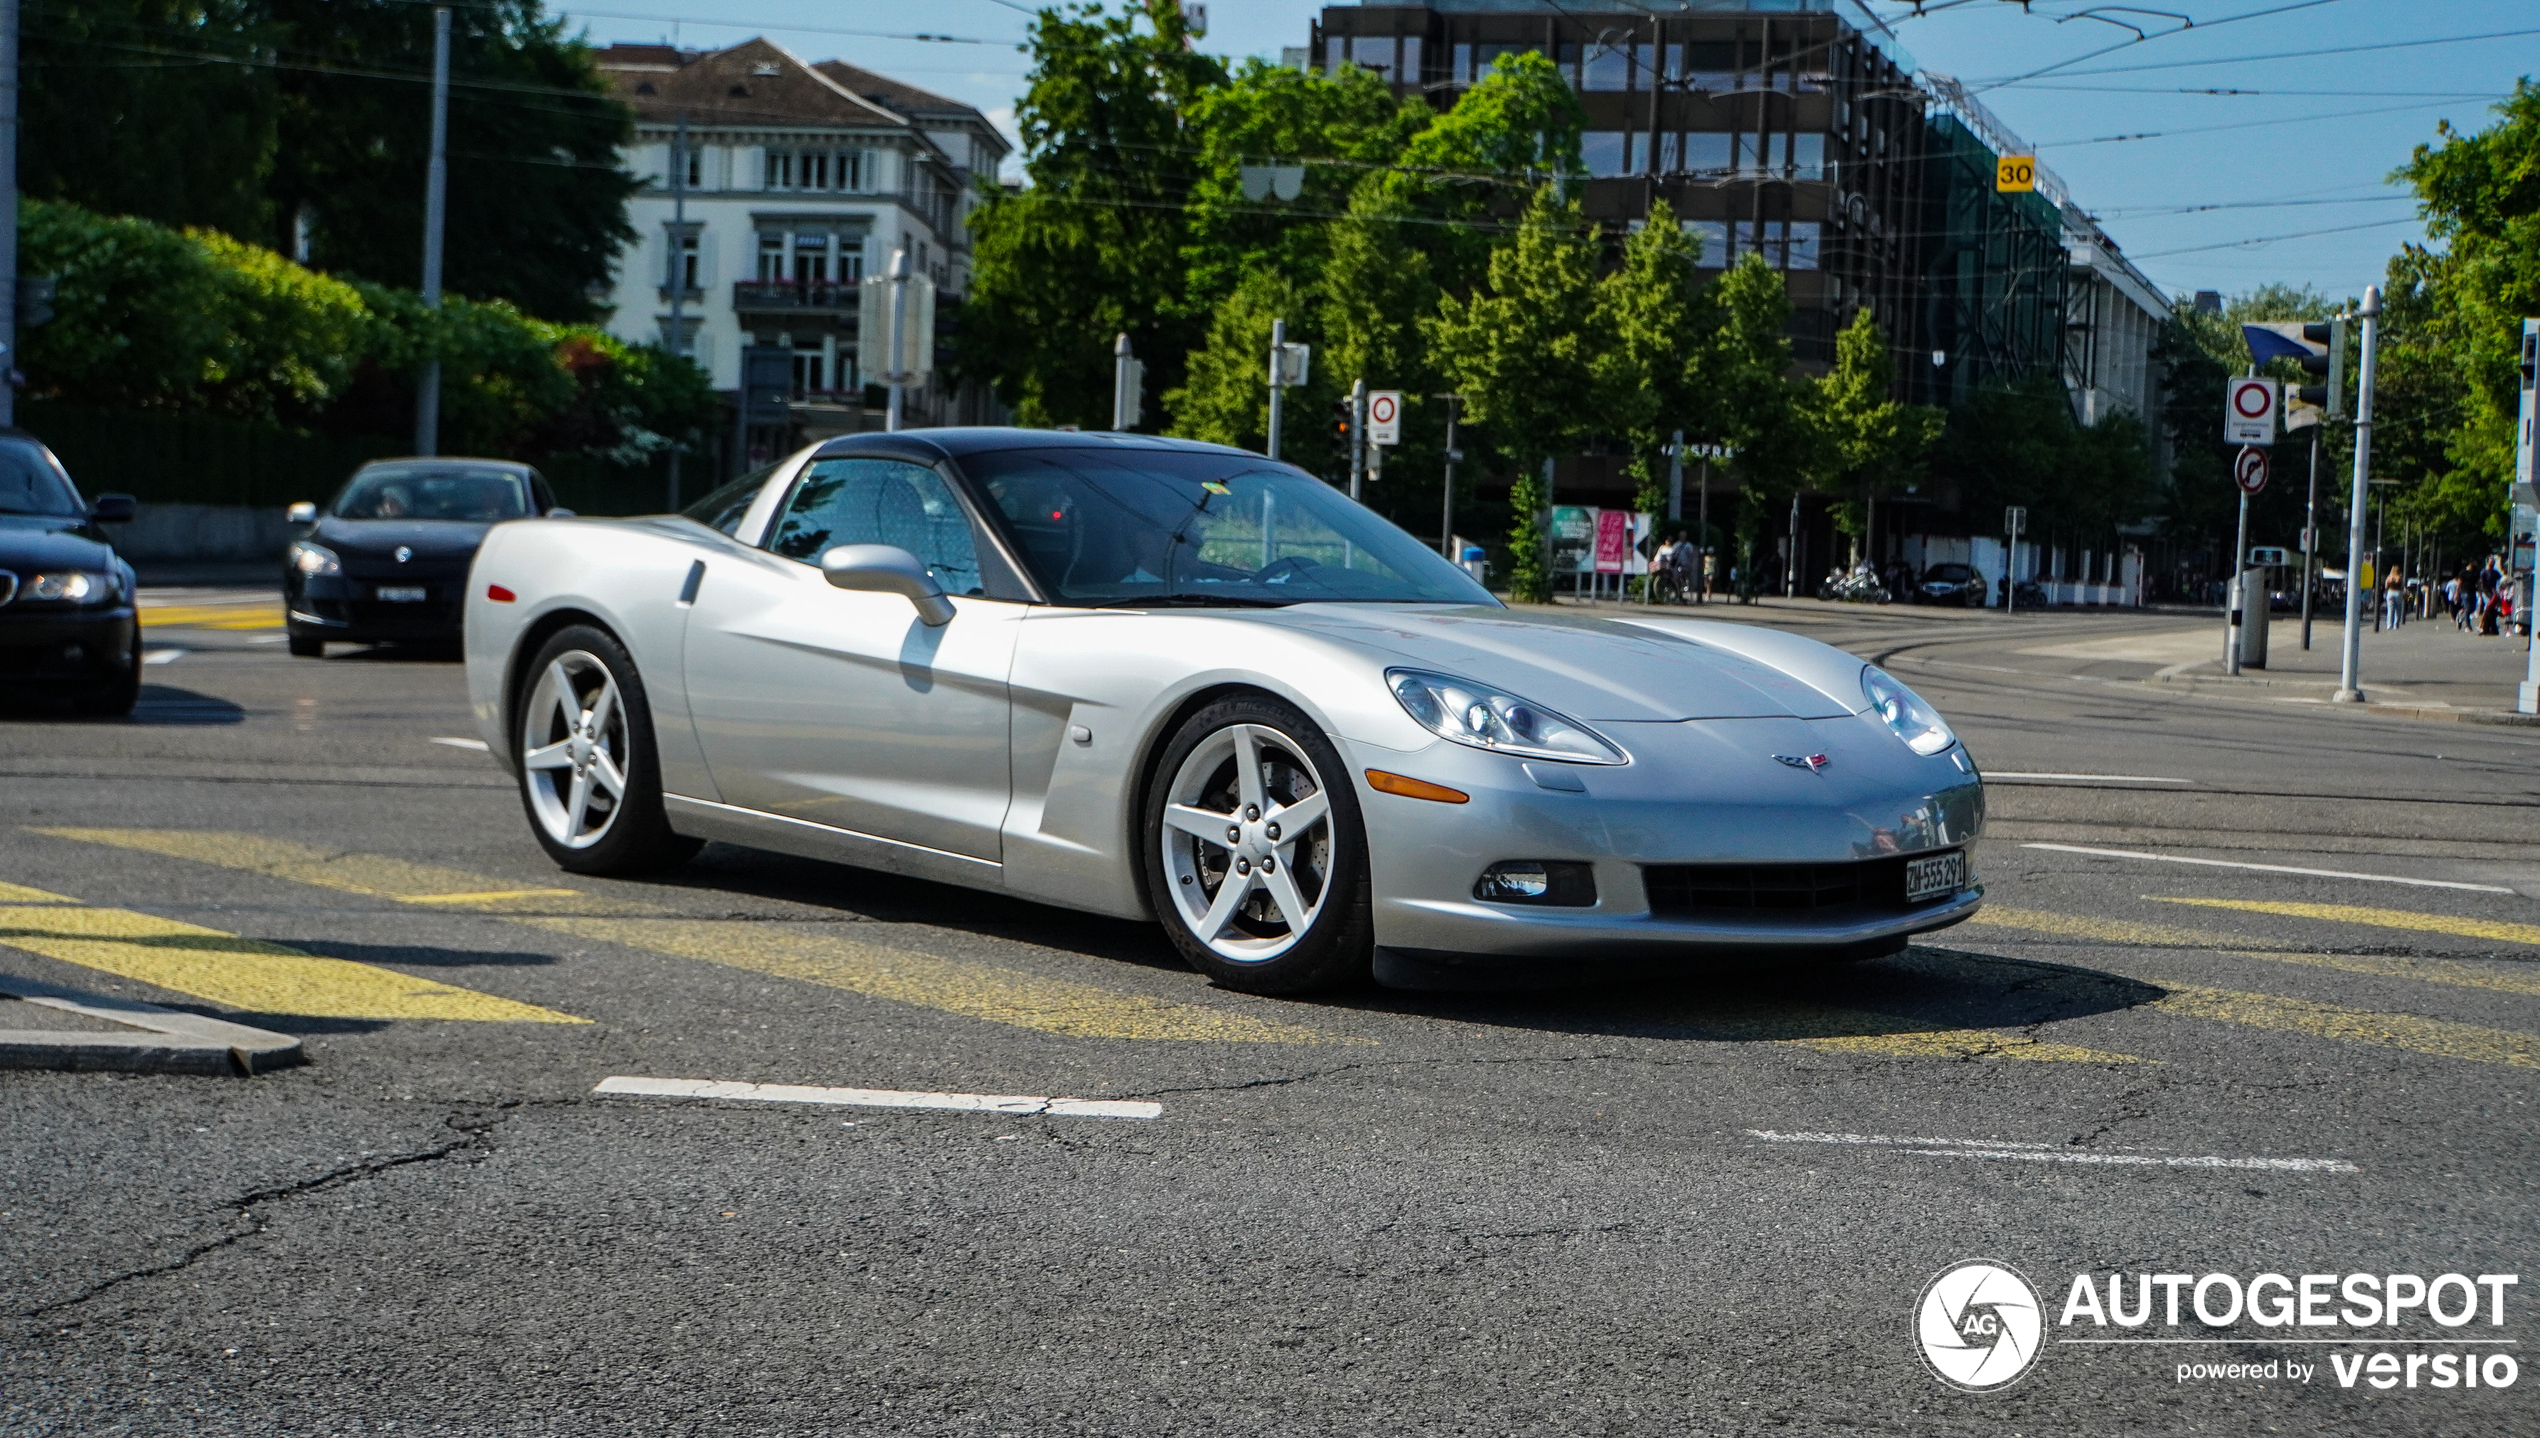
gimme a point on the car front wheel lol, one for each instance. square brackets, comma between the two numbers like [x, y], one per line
[1256, 856]
[589, 774]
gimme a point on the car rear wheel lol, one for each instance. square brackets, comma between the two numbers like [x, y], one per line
[1256, 855]
[590, 776]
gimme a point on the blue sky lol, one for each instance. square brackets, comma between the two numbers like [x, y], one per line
[2276, 184]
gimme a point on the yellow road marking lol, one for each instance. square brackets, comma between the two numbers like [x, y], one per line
[2163, 936]
[974, 990]
[264, 614]
[240, 973]
[2397, 1031]
[20, 894]
[375, 875]
[2377, 918]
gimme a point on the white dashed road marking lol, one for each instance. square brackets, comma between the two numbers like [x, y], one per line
[2095, 778]
[2273, 868]
[879, 1097]
[164, 656]
[476, 744]
[2053, 1153]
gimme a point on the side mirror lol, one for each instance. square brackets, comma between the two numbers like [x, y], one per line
[301, 513]
[113, 509]
[560, 512]
[888, 569]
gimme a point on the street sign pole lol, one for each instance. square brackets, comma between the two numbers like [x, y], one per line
[1446, 512]
[2310, 538]
[1702, 538]
[2013, 516]
[1278, 352]
[436, 187]
[2350, 665]
[1357, 431]
[2239, 587]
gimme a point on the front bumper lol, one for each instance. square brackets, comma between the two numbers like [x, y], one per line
[65, 649]
[350, 609]
[1702, 793]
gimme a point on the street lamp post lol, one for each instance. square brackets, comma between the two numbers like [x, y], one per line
[436, 186]
[2350, 665]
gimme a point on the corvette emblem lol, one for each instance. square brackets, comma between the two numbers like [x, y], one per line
[404, 554]
[1813, 763]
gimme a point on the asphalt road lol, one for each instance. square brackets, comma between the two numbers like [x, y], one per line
[1694, 1207]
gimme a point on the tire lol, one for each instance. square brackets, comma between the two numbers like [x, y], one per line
[116, 699]
[306, 648]
[607, 739]
[1247, 942]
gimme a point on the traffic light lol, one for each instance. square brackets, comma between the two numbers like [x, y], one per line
[1344, 418]
[2331, 335]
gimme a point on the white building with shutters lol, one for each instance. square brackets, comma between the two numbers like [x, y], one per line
[801, 178]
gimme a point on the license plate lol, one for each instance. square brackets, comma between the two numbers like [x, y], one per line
[1936, 877]
[401, 594]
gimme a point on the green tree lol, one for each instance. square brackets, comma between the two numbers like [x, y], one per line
[1743, 366]
[1522, 350]
[1869, 442]
[1093, 245]
[1647, 376]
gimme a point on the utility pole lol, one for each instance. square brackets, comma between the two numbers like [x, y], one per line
[8, 211]
[436, 185]
[2525, 495]
[2310, 537]
[1128, 387]
[1446, 511]
[1790, 574]
[1702, 535]
[2237, 596]
[1357, 437]
[2350, 665]
[678, 269]
[1278, 379]
[899, 338]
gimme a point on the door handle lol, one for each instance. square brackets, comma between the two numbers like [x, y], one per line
[696, 576]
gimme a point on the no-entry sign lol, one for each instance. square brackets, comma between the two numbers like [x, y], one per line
[2249, 412]
[2250, 470]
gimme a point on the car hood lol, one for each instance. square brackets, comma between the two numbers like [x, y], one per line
[30, 542]
[1598, 670]
[380, 538]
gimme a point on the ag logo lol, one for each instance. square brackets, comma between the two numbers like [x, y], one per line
[1978, 1325]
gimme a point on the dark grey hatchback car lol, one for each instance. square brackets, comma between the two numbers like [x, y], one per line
[387, 561]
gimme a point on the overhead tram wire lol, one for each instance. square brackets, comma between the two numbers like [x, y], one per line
[2286, 55]
[2141, 39]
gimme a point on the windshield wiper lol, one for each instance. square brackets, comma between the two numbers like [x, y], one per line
[1195, 601]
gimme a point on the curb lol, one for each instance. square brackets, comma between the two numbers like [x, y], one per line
[2437, 713]
[170, 1041]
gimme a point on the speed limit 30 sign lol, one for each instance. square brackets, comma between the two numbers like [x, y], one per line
[2250, 470]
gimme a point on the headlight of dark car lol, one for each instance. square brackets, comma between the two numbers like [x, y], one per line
[1904, 711]
[70, 586]
[315, 560]
[1493, 719]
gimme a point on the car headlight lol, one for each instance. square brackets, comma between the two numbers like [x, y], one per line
[1494, 719]
[70, 586]
[1904, 711]
[315, 560]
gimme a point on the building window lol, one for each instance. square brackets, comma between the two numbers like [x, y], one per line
[771, 258]
[1803, 244]
[683, 340]
[780, 169]
[1410, 60]
[811, 369]
[1462, 74]
[1713, 237]
[813, 170]
[1808, 156]
[687, 258]
[1605, 152]
[1335, 55]
[1375, 52]
[811, 257]
[1706, 152]
[1567, 57]
[1608, 67]
[1751, 154]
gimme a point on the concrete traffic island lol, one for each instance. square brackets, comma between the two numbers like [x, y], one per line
[127, 1036]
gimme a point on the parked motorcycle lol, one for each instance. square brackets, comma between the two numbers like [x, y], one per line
[1858, 585]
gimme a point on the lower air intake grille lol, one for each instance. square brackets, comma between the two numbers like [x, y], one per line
[1690, 889]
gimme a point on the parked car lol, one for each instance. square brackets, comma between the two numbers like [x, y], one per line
[387, 560]
[1957, 584]
[68, 628]
[1159, 679]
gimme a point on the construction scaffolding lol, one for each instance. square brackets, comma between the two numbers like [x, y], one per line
[1994, 292]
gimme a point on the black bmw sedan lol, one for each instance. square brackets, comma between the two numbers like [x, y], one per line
[67, 627]
[387, 561]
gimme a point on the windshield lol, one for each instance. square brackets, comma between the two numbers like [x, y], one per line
[438, 492]
[1105, 526]
[32, 482]
[723, 510]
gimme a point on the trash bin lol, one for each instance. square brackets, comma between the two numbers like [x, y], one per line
[2254, 610]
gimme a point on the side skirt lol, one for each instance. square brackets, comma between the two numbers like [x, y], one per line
[706, 819]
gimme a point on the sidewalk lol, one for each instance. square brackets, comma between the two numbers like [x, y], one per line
[2426, 669]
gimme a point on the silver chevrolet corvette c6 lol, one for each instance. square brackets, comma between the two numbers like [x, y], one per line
[1158, 679]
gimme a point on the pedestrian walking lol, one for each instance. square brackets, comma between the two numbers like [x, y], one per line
[2394, 600]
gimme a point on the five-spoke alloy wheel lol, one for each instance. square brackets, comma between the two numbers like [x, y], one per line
[1257, 861]
[588, 773]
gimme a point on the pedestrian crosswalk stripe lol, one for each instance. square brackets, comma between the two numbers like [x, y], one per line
[2510, 933]
[375, 875]
[2439, 1037]
[1853, 1031]
[972, 989]
[248, 975]
[2164, 936]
